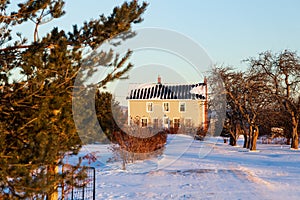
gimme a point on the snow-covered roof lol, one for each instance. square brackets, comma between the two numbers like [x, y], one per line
[168, 91]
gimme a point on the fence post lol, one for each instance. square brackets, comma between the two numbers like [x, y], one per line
[83, 193]
[72, 183]
[94, 184]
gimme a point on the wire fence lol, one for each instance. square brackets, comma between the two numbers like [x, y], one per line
[83, 189]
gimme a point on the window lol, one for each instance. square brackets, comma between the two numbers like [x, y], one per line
[166, 107]
[144, 122]
[149, 107]
[182, 107]
[166, 122]
[188, 122]
[176, 122]
[155, 123]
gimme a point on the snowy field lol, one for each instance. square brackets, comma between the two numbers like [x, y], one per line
[191, 169]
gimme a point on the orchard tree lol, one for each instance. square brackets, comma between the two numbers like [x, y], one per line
[36, 121]
[282, 72]
[233, 117]
[217, 103]
[246, 99]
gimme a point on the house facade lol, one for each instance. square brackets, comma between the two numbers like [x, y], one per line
[168, 106]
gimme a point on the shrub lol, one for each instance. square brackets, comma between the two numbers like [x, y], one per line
[130, 148]
[138, 144]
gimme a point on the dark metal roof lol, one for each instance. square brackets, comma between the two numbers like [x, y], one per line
[165, 91]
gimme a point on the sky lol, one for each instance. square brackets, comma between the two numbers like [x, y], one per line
[230, 31]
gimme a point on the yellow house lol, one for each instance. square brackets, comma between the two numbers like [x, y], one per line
[168, 105]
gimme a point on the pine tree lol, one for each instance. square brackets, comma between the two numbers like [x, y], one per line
[109, 114]
[36, 122]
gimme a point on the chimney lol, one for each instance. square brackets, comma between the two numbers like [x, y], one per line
[158, 80]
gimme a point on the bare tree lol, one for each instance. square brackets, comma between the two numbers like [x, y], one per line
[231, 87]
[282, 72]
[246, 98]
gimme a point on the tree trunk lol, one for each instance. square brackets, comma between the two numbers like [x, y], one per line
[288, 140]
[245, 140]
[53, 170]
[225, 140]
[295, 139]
[254, 138]
[250, 137]
[232, 140]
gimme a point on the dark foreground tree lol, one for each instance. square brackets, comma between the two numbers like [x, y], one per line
[36, 121]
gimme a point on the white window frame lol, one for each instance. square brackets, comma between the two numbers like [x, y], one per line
[163, 105]
[147, 106]
[144, 118]
[180, 103]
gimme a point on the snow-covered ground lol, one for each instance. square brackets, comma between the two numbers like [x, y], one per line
[190, 169]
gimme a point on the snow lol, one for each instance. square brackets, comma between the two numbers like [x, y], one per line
[210, 169]
[198, 90]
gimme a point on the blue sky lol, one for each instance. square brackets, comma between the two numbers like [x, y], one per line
[229, 30]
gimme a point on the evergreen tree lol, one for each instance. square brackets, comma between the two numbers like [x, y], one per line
[36, 122]
[109, 114]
